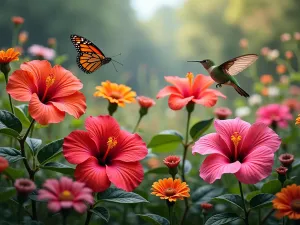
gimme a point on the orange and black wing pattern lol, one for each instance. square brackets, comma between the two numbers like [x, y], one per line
[90, 57]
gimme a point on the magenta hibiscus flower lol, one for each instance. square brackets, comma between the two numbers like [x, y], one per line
[245, 150]
[105, 154]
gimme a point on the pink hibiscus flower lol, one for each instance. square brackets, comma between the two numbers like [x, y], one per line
[105, 154]
[65, 194]
[185, 90]
[274, 114]
[245, 150]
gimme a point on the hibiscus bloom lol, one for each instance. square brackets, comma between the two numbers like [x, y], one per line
[105, 154]
[237, 147]
[51, 92]
[186, 90]
[274, 114]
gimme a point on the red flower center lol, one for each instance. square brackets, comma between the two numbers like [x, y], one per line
[111, 143]
[236, 138]
[49, 82]
[170, 192]
[295, 205]
[116, 95]
[66, 196]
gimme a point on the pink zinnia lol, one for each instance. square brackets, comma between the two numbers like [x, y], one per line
[274, 114]
[41, 52]
[66, 194]
[237, 147]
[105, 154]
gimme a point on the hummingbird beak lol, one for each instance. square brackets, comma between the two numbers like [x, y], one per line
[196, 61]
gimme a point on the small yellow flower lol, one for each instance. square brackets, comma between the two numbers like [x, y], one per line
[9, 56]
[298, 120]
[115, 93]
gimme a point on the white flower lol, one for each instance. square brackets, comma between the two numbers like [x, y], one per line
[242, 111]
[273, 54]
[255, 99]
[273, 91]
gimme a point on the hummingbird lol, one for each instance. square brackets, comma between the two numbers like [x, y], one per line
[224, 73]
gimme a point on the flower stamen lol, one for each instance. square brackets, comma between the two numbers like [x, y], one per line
[111, 143]
[190, 77]
[236, 138]
[170, 192]
[295, 205]
[49, 82]
[66, 196]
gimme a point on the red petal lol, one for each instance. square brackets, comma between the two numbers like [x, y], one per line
[182, 84]
[78, 147]
[168, 90]
[176, 102]
[73, 104]
[125, 175]
[44, 113]
[208, 98]
[201, 83]
[92, 174]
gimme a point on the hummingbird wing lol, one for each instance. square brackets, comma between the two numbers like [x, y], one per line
[236, 65]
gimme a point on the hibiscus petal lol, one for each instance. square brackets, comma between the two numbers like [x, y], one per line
[101, 128]
[182, 84]
[21, 85]
[177, 102]
[210, 144]
[80, 207]
[78, 147]
[44, 113]
[73, 104]
[256, 166]
[92, 174]
[168, 90]
[130, 148]
[125, 175]
[201, 83]
[215, 165]
[208, 98]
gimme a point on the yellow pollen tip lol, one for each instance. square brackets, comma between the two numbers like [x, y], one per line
[50, 80]
[112, 142]
[190, 77]
[236, 138]
[66, 196]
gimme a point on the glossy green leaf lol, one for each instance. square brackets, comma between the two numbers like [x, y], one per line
[199, 128]
[101, 212]
[252, 194]
[14, 173]
[261, 200]
[6, 193]
[9, 132]
[59, 167]
[12, 155]
[21, 111]
[120, 196]
[8, 120]
[233, 199]
[33, 144]
[154, 219]
[159, 170]
[50, 151]
[205, 193]
[222, 218]
[172, 132]
[271, 187]
[164, 143]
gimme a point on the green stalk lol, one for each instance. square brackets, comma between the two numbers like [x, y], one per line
[9, 97]
[137, 124]
[244, 204]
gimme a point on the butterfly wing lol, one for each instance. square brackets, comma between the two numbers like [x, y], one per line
[238, 64]
[89, 56]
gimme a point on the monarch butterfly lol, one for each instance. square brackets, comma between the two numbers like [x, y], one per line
[90, 57]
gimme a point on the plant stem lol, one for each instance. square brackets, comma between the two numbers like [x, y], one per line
[64, 219]
[244, 204]
[266, 217]
[88, 217]
[137, 124]
[19, 213]
[9, 97]
[125, 212]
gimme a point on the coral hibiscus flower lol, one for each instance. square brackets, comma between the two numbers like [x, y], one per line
[185, 90]
[105, 154]
[245, 150]
[51, 92]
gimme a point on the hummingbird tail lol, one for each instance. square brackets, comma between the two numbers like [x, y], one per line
[240, 91]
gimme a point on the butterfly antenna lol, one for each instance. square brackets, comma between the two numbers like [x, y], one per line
[115, 55]
[114, 66]
[117, 62]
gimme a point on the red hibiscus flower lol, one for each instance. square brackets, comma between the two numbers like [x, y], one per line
[51, 92]
[105, 154]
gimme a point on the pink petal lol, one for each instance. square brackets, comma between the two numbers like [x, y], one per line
[215, 165]
[52, 185]
[125, 175]
[168, 90]
[46, 195]
[256, 166]
[201, 83]
[66, 183]
[78, 147]
[283, 124]
[208, 98]
[177, 102]
[210, 144]
[226, 128]
[101, 128]
[92, 174]
[77, 187]
[130, 148]
[66, 204]
[182, 84]
[80, 207]
[85, 198]
[54, 206]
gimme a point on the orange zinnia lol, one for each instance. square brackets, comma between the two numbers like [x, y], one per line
[115, 93]
[287, 202]
[298, 120]
[280, 69]
[170, 189]
[9, 56]
[51, 92]
[266, 79]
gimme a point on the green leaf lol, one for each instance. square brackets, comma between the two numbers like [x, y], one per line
[101, 212]
[120, 196]
[12, 155]
[222, 218]
[154, 219]
[271, 187]
[252, 194]
[33, 144]
[173, 132]
[9, 132]
[205, 193]
[6, 193]
[60, 59]
[199, 128]
[50, 151]
[8, 120]
[58, 167]
[261, 200]
[21, 111]
[232, 199]
[14, 173]
[164, 142]
[159, 170]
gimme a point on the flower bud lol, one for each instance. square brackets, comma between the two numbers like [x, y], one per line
[264, 51]
[286, 159]
[266, 79]
[52, 43]
[289, 54]
[280, 69]
[244, 43]
[222, 113]
[24, 187]
[281, 171]
[172, 162]
[285, 37]
[3, 164]
[206, 207]
[17, 20]
[145, 104]
[297, 36]
[23, 37]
